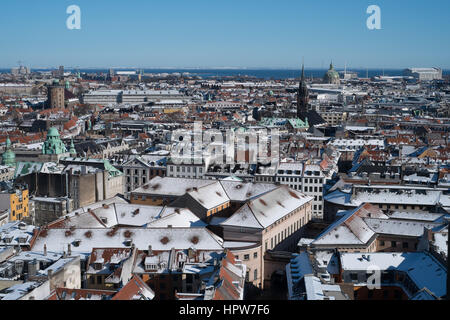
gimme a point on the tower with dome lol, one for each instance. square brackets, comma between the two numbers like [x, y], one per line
[332, 76]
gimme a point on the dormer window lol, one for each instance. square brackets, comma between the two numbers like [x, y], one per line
[8, 239]
[98, 266]
[151, 267]
[22, 239]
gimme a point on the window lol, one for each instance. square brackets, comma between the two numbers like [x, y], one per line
[255, 274]
[393, 243]
[255, 255]
[246, 257]
[353, 276]
[405, 245]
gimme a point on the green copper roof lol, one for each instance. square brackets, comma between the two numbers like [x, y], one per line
[331, 75]
[53, 144]
[72, 150]
[113, 171]
[53, 132]
[8, 143]
[8, 157]
[296, 123]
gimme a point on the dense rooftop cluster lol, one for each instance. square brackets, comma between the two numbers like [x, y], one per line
[97, 203]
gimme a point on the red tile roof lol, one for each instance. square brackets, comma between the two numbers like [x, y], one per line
[136, 288]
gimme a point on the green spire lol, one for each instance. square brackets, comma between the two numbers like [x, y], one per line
[72, 150]
[8, 157]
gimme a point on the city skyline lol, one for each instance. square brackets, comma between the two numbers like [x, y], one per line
[256, 35]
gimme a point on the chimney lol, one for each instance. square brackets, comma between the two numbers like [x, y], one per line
[49, 273]
[429, 235]
[150, 251]
[69, 250]
[45, 249]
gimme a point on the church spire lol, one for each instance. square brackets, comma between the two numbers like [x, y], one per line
[72, 151]
[302, 95]
[303, 72]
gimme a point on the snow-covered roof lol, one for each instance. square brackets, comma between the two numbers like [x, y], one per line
[210, 196]
[160, 239]
[424, 270]
[270, 207]
[398, 227]
[351, 228]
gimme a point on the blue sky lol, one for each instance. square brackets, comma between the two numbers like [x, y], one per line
[225, 33]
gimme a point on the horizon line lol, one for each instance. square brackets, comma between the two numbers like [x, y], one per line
[222, 68]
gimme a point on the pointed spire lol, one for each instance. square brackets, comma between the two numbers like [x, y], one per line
[72, 150]
[303, 72]
[8, 143]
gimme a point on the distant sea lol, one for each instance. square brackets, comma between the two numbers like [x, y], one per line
[276, 74]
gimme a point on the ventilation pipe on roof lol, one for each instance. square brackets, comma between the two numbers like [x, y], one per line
[45, 249]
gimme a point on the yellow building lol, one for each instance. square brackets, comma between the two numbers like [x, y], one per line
[16, 200]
